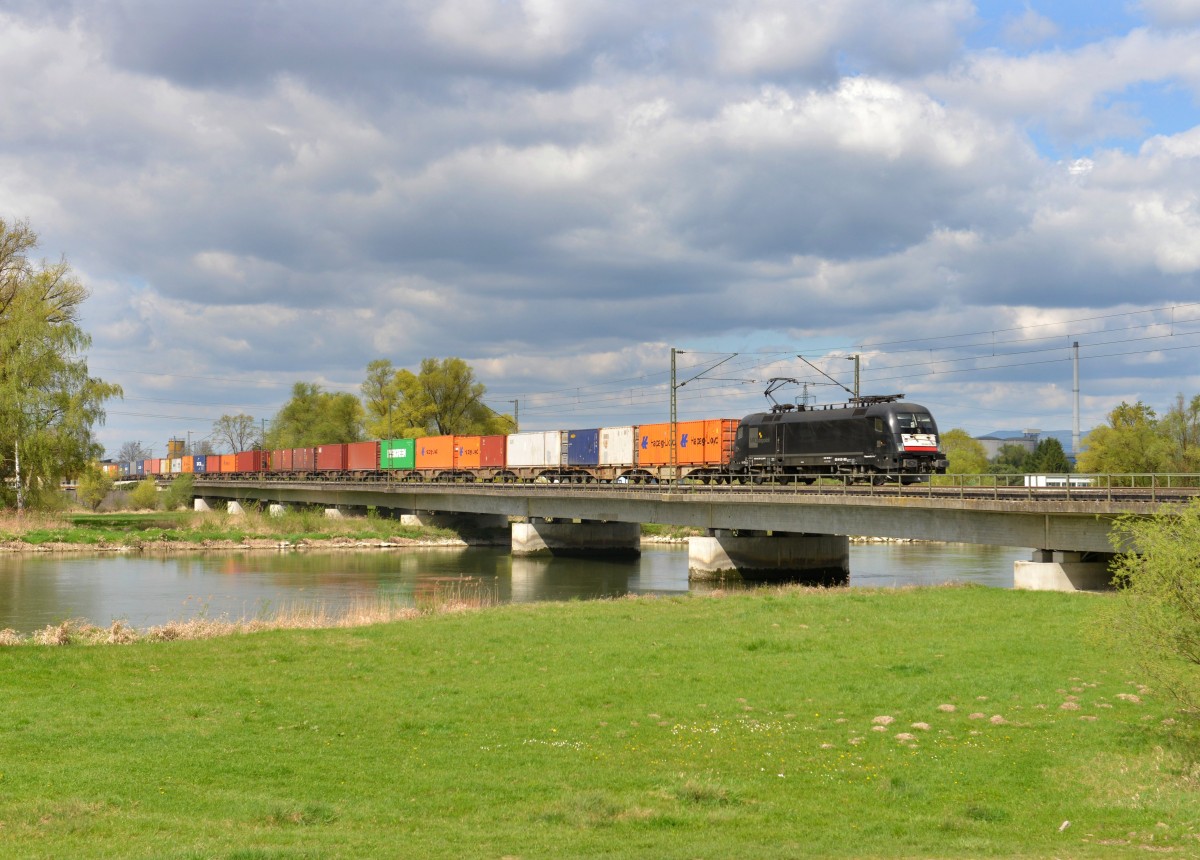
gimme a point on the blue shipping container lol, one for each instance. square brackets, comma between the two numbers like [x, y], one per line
[200, 463]
[583, 447]
[141, 467]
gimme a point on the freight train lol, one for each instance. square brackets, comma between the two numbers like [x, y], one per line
[869, 439]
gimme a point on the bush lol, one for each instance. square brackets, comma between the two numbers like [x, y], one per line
[179, 493]
[1158, 610]
[144, 495]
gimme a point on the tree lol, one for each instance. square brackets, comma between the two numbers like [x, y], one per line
[48, 401]
[442, 398]
[1181, 435]
[1158, 611]
[1130, 442]
[237, 432]
[316, 417]
[1049, 458]
[967, 456]
[180, 491]
[132, 451]
[381, 399]
[1011, 459]
[93, 486]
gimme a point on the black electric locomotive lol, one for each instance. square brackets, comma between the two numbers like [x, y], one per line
[871, 438]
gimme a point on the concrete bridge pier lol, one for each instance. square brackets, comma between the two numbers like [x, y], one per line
[774, 556]
[276, 510]
[339, 512]
[201, 504]
[475, 529]
[569, 537]
[1060, 570]
[234, 508]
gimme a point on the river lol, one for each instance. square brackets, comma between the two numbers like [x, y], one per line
[146, 589]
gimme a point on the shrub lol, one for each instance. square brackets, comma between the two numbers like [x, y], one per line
[144, 495]
[179, 493]
[1158, 610]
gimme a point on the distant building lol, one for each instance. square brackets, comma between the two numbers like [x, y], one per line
[992, 444]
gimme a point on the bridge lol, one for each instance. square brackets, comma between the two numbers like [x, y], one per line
[754, 530]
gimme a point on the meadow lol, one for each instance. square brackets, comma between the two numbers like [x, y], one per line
[943, 722]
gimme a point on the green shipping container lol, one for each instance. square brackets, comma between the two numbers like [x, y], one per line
[397, 454]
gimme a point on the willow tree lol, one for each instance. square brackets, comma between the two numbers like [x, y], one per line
[315, 417]
[443, 397]
[48, 401]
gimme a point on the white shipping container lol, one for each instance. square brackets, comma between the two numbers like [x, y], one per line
[616, 446]
[537, 450]
[176, 465]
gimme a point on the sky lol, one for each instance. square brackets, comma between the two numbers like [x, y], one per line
[561, 192]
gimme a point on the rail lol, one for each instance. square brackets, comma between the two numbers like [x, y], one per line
[1142, 487]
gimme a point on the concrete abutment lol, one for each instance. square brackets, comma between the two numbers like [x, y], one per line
[1059, 570]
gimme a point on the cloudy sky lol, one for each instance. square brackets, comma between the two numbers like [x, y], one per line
[560, 191]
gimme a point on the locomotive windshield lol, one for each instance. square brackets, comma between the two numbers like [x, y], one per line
[915, 422]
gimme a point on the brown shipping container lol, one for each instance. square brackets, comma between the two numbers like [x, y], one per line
[251, 461]
[228, 463]
[492, 451]
[331, 458]
[304, 459]
[435, 452]
[466, 452]
[362, 456]
[281, 460]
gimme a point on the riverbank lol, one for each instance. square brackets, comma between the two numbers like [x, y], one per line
[785, 723]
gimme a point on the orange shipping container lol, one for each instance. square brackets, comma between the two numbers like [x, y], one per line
[189, 465]
[435, 452]
[467, 452]
[229, 463]
[698, 443]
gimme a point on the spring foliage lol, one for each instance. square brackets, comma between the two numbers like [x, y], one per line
[443, 397]
[48, 401]
[1158, 614]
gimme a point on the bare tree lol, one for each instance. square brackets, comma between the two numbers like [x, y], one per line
[236, 432]
[131, 451]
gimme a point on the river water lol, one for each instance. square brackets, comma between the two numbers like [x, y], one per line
[145, 590]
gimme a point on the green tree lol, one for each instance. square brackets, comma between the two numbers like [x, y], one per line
[967, 455]
[1011, 459]
[316, 417]
[381, 400]
[93, 486]
[1181, 435]
[1130, 442]
[1049, 458]
[1158, 612]
[237, 432]
[444, 398]
[48, 401]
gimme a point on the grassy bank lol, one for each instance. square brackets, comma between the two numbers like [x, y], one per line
[921, 723]
[190, 527]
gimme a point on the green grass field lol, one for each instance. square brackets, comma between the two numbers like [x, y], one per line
[948, 722]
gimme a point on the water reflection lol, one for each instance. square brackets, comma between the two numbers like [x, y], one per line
[146, 590]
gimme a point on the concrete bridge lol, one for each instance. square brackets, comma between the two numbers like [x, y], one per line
[752, 531]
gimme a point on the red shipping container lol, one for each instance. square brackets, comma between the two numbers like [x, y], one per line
[251, 461]
[156, 466]
[362, 456]
[304, 459]
[331, 458]
[281, 460]
[435, 452]
[492, 450]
